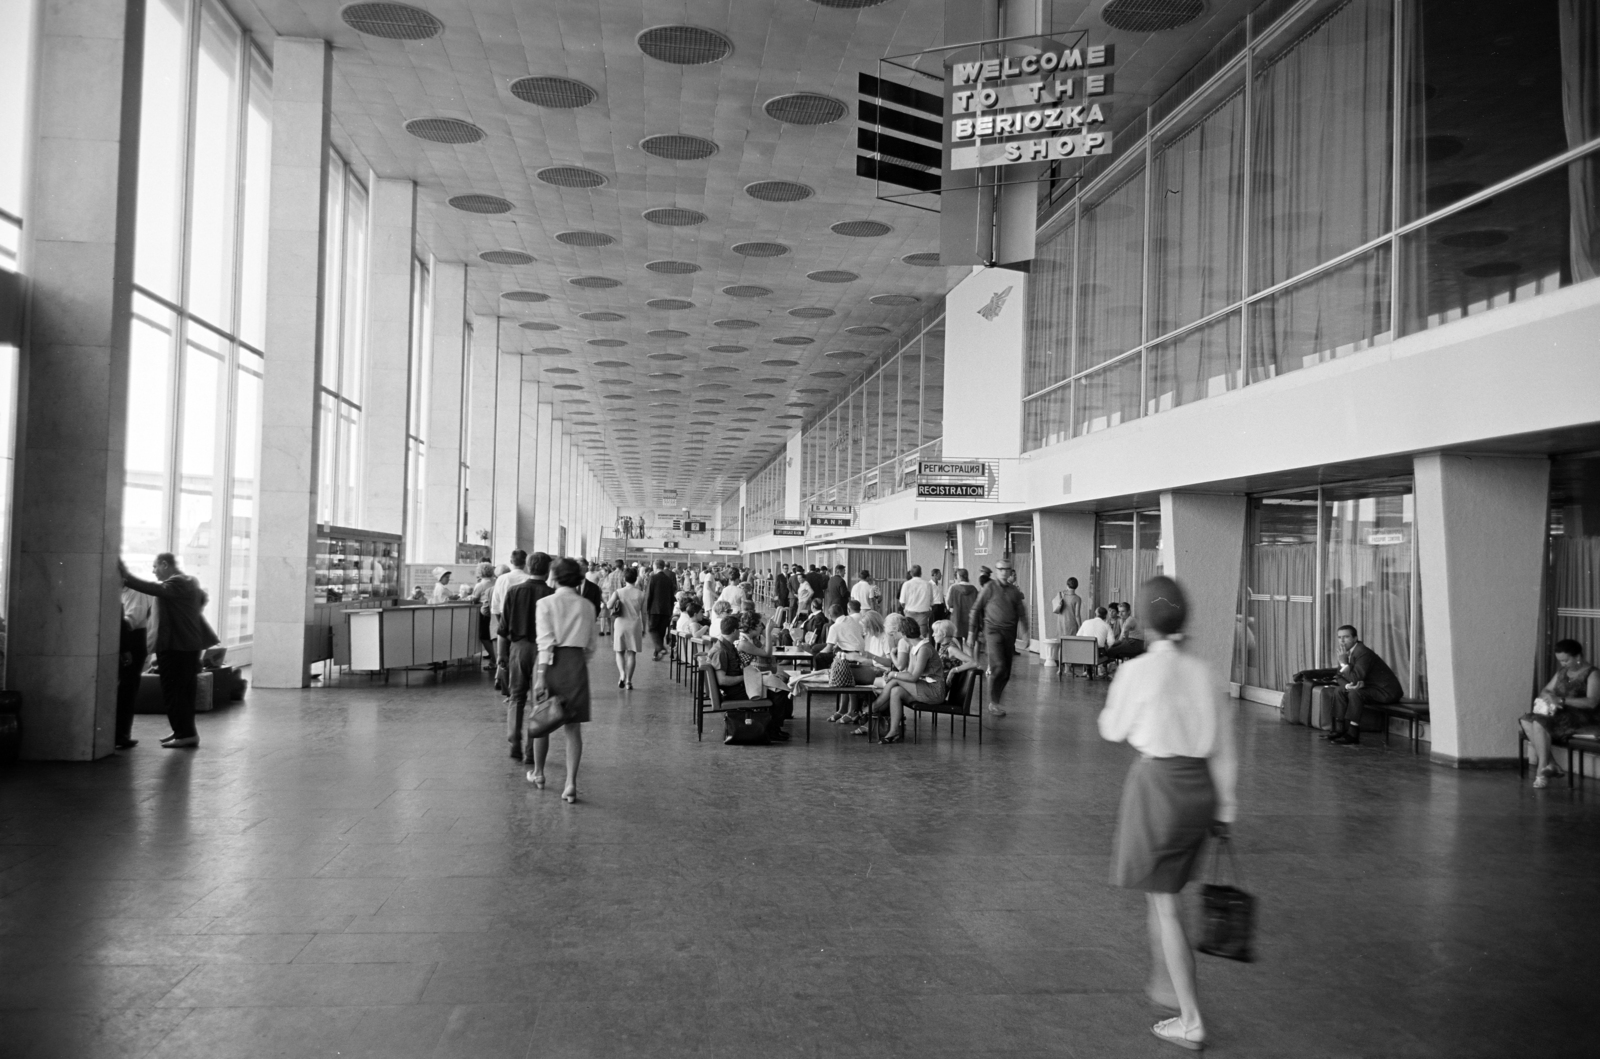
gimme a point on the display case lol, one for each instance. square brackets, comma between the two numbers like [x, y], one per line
[357, 565]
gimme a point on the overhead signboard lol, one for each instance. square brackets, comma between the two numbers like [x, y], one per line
[982, 536]
[1048, 106]
[788, 527]
[952, 490]
[955, 480]
[831, 515]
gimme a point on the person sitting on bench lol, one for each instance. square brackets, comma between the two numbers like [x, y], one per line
[1569, 703]
[1362, 679]
[1130, 642]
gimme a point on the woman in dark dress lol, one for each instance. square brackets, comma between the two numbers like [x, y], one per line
[1569, 703]
[1170, 706]
[567, 641]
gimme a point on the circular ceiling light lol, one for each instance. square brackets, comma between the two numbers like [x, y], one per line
[668, 356]
[709, 400]
[552, 351]
[866, 330]
[667, 332]
[665, 375]
[607, 343]
[780, 363]
[759, 396]
[571, 176]
[791, 415]
[602, 317]
[812, 389]
[562, 371]
[735, 325]
[848, 5]
[745, 290]
[480, 204]
[595, 282]
[922, 260]
[720, 369]
[805, 108]
[506, 257]
[674, 216]
[538, 325]
[794, 340]
[444, 130]
[392, 21]
[525, 296]
[860, 229]
[672, 268]
[811, 312]
[669, 304]
[728, 349]
[896, 299]
[827, 375]
[778, 191]
[678, 147]
[612, 364]
[832, 275]
[760, 249]
[584, 238]
[1150, 16]
[553, 92]
[684, 45]
[843, 354]
[568, 386]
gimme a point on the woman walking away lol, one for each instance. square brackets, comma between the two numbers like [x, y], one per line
[1169, 706]
[628, 634]
[567, 642]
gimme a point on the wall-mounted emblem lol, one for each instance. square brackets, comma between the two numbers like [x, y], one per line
[996, 303]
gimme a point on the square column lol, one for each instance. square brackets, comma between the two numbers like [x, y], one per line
[77, 251]
[302, 91]
[441, 522]
[1065, 543]
[925, 548]
[507, 446]
[482, 365]
[1202, 546]
[1480, 551]
[534, 449]
[392, 212]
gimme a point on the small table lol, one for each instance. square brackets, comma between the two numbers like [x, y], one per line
[811, 689]
[795, 656]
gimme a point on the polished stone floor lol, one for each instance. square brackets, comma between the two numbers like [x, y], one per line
[361, 871]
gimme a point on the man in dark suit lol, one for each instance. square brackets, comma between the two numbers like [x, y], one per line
[780, 588]
[182, 632]
[817, 578]
[519, 631]
[589, 590]
[1362, 679]
[659, 597]
[837, 593]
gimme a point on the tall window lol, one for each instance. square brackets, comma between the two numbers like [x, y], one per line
[1324, 181]
[418, 402]
[194, 394]
[16, 75]
[344, 348]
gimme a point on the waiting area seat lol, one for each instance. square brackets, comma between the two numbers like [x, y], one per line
[1577, 745]
[1075, 651]
[1413, 711]
[964, 700]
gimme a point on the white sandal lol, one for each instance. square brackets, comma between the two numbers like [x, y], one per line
[1172, 1031]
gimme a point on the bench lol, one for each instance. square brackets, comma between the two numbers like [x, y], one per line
[1412, 711]
[1078, 651]
[1579, 743]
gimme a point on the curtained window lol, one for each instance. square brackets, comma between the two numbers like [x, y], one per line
[1111, 267]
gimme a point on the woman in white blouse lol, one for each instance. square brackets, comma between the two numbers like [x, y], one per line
[1170, 706]
[567, 641]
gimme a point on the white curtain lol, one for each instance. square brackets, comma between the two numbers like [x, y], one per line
[1580, 109]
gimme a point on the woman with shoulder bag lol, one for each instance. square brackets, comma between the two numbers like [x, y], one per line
[567, 641]
[1170, 706]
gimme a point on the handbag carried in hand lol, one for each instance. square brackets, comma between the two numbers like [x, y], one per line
[1229, 913]
[547, 714]
[1058, 605]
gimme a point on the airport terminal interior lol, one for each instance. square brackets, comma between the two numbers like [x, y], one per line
[1011, 454]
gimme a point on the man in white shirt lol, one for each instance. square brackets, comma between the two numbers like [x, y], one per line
[847, 633]
[866, 592]
[497, 605]
[936, 585]
[916, 598]
[1098, 627]
[733, 596]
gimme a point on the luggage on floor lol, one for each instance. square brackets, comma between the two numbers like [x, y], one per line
[747, 726]
[1323, 700]
[1297, 703]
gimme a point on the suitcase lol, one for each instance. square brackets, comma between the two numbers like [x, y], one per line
[747, 726]
[1297, 703]
[1322, 703]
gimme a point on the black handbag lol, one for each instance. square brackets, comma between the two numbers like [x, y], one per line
[1228, 912]
[747, 726]
[546, 715]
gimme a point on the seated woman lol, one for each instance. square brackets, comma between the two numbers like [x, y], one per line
[925, 678]
[727, 659]
[1569, 703]
[688, 626]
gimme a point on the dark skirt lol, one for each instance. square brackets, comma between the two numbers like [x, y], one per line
[1168, 804]
[1566, 721]
[567, 675]
[483, 626]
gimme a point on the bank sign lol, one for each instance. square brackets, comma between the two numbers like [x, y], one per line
[1044, 107]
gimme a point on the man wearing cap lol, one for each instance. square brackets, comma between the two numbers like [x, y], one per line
[1000, 611]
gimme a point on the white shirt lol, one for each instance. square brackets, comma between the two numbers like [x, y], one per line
[140, 611]
[866, 593]
[916, 596]
[1097, 627]
[565, 619]
[847, 634]
[502, 585]
[937, 587]
[733, 596]
[687, 628]
[1167, 703]
[441, 593]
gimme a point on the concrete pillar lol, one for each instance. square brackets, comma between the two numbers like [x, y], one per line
[1480, 545]
[1065, 544]
[925, 548]
[441, 520]
[483, 360]
[550, 437]
[1202, 546]
[793, 454]
[532, 482]
[507, 446]
[73, 398]
[392, 209]
[302, 93]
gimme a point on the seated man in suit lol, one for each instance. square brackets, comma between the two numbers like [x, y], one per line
[1362, 679]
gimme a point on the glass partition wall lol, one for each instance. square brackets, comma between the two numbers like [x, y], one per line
[1318, 559]
[1328, 179]
[194, 401]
